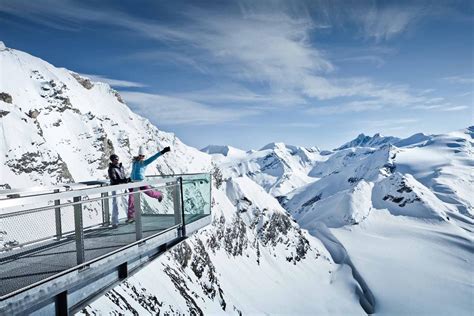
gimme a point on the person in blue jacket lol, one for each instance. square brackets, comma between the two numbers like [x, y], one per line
[139, 165]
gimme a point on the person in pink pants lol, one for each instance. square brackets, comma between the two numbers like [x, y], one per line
[139, 165]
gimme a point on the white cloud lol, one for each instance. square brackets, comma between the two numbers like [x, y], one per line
[114, 82]
[371, 59]
[455, 108]
[460, 79]
[267, 44]
[302, 125]
[168, 110]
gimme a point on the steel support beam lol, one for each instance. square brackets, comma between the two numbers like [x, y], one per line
[79, 230]
[138, 215]
[62, 308]
[57, 213]
[183, 219]
[105, 209]
[177, 203]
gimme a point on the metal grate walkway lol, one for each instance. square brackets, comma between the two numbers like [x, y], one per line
[33, 263]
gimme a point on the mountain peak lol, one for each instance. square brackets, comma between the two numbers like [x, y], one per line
[273, 145]
[363, 140]
[224, 150]
[2, 46]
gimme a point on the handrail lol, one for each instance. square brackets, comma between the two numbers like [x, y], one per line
[24, 200]
[88, 200]
[83, 184]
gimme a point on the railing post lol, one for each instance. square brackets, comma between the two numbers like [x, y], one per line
[105, 209]
[177, 205]
[79, 230]
[138, 214]
[57, 213]
[183, 219]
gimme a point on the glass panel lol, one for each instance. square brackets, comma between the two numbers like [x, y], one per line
[158, 215]
[196, 196]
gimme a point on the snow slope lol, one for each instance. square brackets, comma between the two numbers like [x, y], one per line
[401, 218]
[73, 124]
[253, 261]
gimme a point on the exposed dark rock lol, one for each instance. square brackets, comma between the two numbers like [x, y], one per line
[38, 126]
[312, 200]
[401, 201]
[404, 188]
[3, 113]
[393, 198]
[85, 82]
[35, 162]
[33, 114]
[5, 97]
[217, 177]
[118, 96]
[124, 141]
[120, 301]
[5, 186]
[390, 167]
[353, 180]
[235, 238]
[282, 199]
[276, 231]
[148, 301]
[180, 284]
[182, 254]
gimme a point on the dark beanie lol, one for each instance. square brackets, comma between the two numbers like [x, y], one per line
[113, 156]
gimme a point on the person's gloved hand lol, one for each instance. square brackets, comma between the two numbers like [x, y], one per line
[166, 149]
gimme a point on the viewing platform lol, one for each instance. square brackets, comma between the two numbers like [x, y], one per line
[58, 249]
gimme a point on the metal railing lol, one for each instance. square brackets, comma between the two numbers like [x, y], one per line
[71, 223]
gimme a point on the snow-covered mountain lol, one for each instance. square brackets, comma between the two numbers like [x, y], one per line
[401, 217]
[277, 167]
[58, 126]
[366, 141]
[223, 153]
[398, 212]
[387, 222]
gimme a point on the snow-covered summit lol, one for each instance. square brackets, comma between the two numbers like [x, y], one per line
[2, 46]
[60, 127]
[277, 167]
[221, 153]
[366, 141]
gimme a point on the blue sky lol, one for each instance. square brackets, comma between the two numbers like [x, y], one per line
[246, 73]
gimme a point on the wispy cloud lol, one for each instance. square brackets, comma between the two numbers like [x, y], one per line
[267, 44]
[302, 125]
[455, 108]
[372, 59]
[171, 110]
[114, 82]
[390, 122]
[460, 79]
[384, 23]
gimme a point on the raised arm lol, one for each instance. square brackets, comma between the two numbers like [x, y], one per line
[158, 154]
